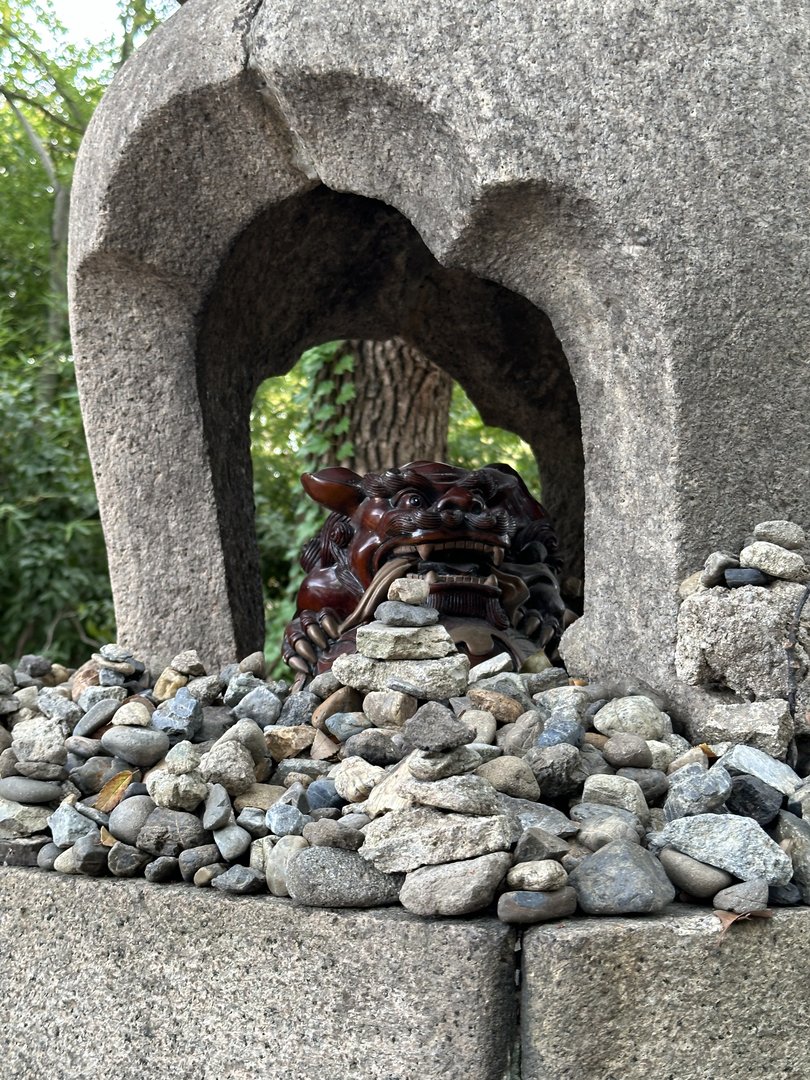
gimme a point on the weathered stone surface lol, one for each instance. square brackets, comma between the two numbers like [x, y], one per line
[455, 888]
[666, 961]
[389, 642]
[735, 638]
[512, 776]
[693, 790]
[148, 928]
[407, 839]
[431, 680]
[230, 764]
[631, 716]
[138, 746]
[765, 725]
[774, 560]
[467, 794]
[617, 791]
[732, 843]
[39, 739]
[20, 789]
[744, 897]
[621, 878]
[747, 759]
[328, 877]
[168, 832]
[541, 875]
[18, 821]
[526, 908]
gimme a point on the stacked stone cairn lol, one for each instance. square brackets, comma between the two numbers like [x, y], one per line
[401, 776]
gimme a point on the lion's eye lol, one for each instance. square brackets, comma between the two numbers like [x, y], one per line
[410, 499]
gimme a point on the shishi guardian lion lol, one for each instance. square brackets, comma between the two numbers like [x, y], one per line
[485, 546]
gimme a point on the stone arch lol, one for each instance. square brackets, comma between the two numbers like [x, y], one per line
[536, 150]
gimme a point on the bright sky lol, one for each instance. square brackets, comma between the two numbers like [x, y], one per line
[85, 20]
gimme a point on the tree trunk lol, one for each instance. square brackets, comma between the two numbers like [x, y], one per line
[400, 408]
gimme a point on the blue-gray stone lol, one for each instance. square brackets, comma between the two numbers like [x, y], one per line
[283, 820]
[343, 725]
[57, 707]
[47, 856]
[695, 790]
[395, 613]
[168, 832]
[22, 790]
[107, 677]
[232, 841]
[239, 685]
[252, 819]
[323, 793]
[298, 709]
[241, 880]
[560, 731]
[753, 762]
[180, 717]
[93, 694]
[67, 825]
[374, 746]
[621, 878]
[261, 705]
[97, 716]
[218, 809]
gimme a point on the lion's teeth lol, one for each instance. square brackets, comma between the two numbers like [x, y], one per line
[497, 556]
[424, 550]
[491, 580]
[431, 577]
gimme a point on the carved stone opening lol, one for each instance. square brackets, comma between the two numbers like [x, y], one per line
[353, 267]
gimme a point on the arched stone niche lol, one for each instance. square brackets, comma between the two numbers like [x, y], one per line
[509, 186]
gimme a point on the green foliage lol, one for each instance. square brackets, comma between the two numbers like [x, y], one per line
[54, 590]
[472, 444]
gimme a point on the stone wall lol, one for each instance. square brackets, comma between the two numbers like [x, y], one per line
[127, 979]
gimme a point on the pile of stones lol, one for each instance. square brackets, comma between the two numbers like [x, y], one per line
[400, 776]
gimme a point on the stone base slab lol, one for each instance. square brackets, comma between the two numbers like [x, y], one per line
[126, 979]
[155, 982]
[664, 998]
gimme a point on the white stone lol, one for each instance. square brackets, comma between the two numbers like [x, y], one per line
[406, 839]
[541, 875]
[409, 590]
[766, 725]
[786, 534]
[430, 680]
[132, 714]
[618, 791]
[354, 778]
[632, 716]
[774, 560]
[381, 642]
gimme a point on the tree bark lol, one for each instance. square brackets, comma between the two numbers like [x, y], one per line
[400, 409]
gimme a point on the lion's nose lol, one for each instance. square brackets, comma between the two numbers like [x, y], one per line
[454, 504]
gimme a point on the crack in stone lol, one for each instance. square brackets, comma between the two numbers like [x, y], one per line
[302, 159]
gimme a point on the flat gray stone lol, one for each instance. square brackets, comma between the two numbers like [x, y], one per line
[397, 613]
[432, 680]
[434, 728]
[385, 642]
[753, 762]
[694, 790]
[631, 716]
[732, 843]
[456, 888]
[406, 839]
[168, 832]
[525, 908]
[329, 877]
[67, 825]
[39, 739]
[743, 898]
[148, 929]
[22, 790]
[786, 534]
[138, 746]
